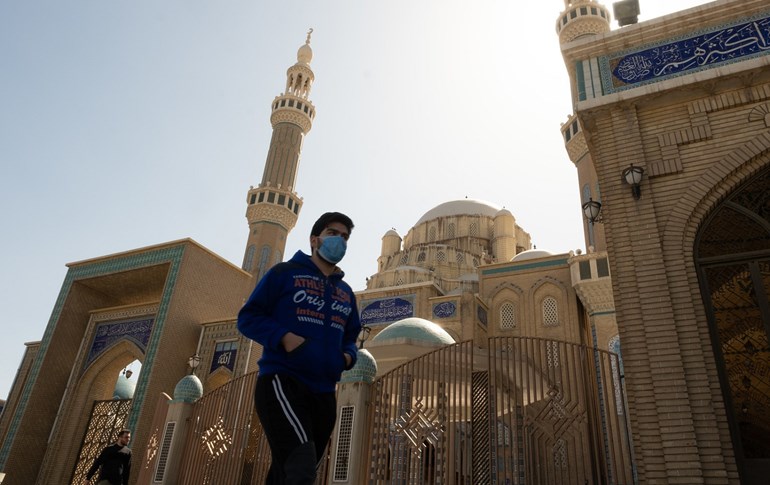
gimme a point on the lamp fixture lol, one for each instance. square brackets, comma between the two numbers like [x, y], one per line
[128, 373]
[194, 361]
[592, 210]
[633, 177]
[364, 335]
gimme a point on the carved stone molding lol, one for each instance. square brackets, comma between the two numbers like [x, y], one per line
[290, 115]
[273, 213]
[577, 147]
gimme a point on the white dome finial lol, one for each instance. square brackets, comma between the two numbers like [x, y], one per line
[305, 53]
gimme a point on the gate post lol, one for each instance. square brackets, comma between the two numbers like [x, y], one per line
[168, 449]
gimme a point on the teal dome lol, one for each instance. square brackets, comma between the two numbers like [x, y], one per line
[188, 389]
[124, 388]
[365, 369]
[415, 329]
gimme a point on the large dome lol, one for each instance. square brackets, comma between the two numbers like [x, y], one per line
[414, 329]
[532, 254]
[461, 207]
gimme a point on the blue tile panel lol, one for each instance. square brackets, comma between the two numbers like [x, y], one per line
[172, 255]
[386, 310]
[446, 309]
[107, 334]
[696, 51]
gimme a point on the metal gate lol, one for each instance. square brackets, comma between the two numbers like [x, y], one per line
[523, 410]
[225, 443]
[107, 419]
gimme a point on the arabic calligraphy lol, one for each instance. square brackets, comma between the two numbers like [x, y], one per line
[386, 310]
[106, 334]
[699, 52]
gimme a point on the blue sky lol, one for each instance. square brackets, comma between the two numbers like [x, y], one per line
[127, 124]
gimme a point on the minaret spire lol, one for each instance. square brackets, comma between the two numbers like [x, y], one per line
[273, 206]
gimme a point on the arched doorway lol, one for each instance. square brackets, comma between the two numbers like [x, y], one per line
[732, 254]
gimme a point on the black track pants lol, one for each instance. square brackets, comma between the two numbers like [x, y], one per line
[297, 425]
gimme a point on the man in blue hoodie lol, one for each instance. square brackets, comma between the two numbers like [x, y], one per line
[306, 319]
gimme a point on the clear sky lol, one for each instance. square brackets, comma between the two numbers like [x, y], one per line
[127, 124]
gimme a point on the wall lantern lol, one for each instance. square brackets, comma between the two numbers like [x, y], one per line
[364, 335]
[633, 177]
[194, 361]
[592, 210]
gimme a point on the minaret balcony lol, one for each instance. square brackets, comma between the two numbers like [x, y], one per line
[592, 281]
[574, 139]
[274, 204]
[584, 17]
[293, 109]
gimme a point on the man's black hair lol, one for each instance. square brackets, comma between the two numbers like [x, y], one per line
[328, 218]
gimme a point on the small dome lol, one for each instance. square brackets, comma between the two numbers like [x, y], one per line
[503, 212]
[124, 388]
[391, 233]
[365, 369]
[531, 254]
[188, 389]
[415, 329]
[469, 207]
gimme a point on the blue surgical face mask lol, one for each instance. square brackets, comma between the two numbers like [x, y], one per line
[332, 249]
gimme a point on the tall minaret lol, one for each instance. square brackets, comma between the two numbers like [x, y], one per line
[583, 18]
[273, 206]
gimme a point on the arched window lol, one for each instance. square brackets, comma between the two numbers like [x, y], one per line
[248, 261]
[550, 312]
[264, 257]
[421, 257]
[507, 316]
[617, 371]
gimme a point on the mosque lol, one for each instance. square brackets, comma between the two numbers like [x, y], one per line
[483, 360]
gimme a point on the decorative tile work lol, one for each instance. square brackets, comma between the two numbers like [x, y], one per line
[172, 255]
[698, 51]
[385, 310]
[446, 309]
[107, 334]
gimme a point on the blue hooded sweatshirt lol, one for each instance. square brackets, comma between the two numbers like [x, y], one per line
[297, 297]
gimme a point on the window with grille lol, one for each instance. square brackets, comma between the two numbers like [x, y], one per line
[344, 444]
[404, 258]
[451, 230]
[432, 234]
[507, 316]
[460, 258]
[474, 229]
[421, 257]
[165, 447]
[441, 256]
[550, 312]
